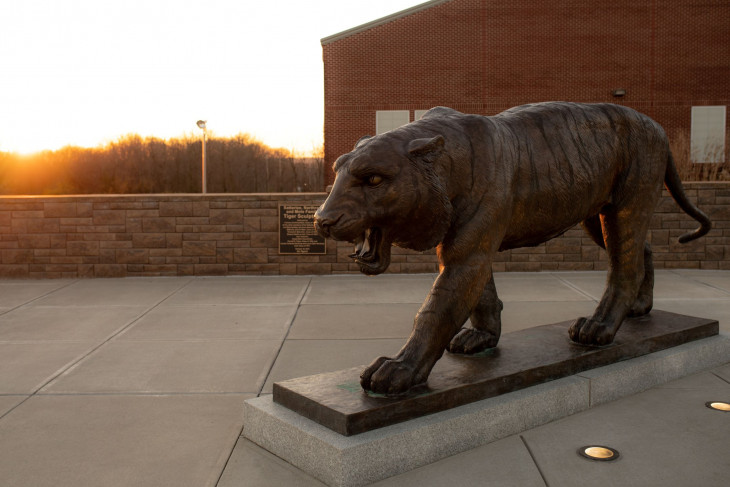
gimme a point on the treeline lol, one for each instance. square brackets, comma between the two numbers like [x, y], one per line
[133, 164]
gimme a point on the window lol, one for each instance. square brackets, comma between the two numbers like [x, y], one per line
[386, 120]
[419, 114]
[708, 134]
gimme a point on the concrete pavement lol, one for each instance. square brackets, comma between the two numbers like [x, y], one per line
[140, 381]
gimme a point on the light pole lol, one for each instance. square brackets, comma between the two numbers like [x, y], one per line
[201, 125]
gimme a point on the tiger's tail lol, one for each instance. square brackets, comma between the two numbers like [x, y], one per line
[674, 186]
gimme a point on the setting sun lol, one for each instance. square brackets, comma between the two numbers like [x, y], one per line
[87, 72]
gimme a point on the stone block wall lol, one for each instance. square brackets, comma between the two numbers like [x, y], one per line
[238, 234]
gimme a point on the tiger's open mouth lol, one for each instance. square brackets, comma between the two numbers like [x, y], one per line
[372, 252]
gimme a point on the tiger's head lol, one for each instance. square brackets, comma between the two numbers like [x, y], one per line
[387, 191]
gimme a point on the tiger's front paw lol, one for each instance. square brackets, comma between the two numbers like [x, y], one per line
[588, 331]
[390, 376]
[470, 341]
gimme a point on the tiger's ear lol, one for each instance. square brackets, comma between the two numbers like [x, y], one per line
[361, 140]
[423, 147]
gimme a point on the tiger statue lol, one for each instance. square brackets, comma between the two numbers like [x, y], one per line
[473, 185]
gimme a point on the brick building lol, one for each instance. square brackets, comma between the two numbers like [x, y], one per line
[670, 60]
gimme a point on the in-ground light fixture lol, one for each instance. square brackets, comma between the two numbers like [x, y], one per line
[719, 406]
[599, 453]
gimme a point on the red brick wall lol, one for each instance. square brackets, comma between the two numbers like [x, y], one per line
[180, 235]
[484, 56]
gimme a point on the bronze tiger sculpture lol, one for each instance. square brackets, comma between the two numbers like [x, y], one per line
[472, 186]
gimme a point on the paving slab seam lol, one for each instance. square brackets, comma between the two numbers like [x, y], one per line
[37, 298]
[225, 457]
[42, 342]
[72, 364]
[68, 366]
[356, 339]
[692, 278]
[263, 383]
[534, 460]
[186, 340]
[659, 301]
[306, 292]
[286, 335]
[575, 288]
[226, 460]
[78, 306]
[719, 376]
[228, 305]
[141, 393]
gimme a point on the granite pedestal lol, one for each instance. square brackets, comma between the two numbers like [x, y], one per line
[374, 454]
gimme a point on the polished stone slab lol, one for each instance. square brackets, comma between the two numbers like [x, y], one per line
[522, 359]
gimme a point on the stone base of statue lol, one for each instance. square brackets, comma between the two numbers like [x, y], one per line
[328, 427]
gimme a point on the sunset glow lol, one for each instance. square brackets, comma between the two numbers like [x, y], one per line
[85, 72]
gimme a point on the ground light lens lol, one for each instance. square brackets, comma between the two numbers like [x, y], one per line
[597, 452]
[719, 406]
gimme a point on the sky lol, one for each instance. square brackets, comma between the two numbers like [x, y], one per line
[86, 72]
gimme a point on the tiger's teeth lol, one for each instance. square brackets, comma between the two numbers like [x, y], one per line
[359, 244]
[366, 243]
[365, 247]
[362, 245]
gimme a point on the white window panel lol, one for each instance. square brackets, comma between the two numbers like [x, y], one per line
[386, 120]
[418, 114]
[708, 134]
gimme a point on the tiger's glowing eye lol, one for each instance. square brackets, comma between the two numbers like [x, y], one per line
[374, 180]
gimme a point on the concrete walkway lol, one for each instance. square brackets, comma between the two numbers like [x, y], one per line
[140, 381]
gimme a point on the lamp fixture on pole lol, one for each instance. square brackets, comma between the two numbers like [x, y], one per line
[201, 125]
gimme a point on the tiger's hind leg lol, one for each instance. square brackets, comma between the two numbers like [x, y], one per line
[624, 232]
[486, 325]
[645, 297]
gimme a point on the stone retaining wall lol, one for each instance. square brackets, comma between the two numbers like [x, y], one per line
[238, 234]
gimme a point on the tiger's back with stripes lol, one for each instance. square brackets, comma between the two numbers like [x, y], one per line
[579, 159]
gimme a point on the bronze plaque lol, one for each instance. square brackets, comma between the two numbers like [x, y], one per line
[297, 234]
